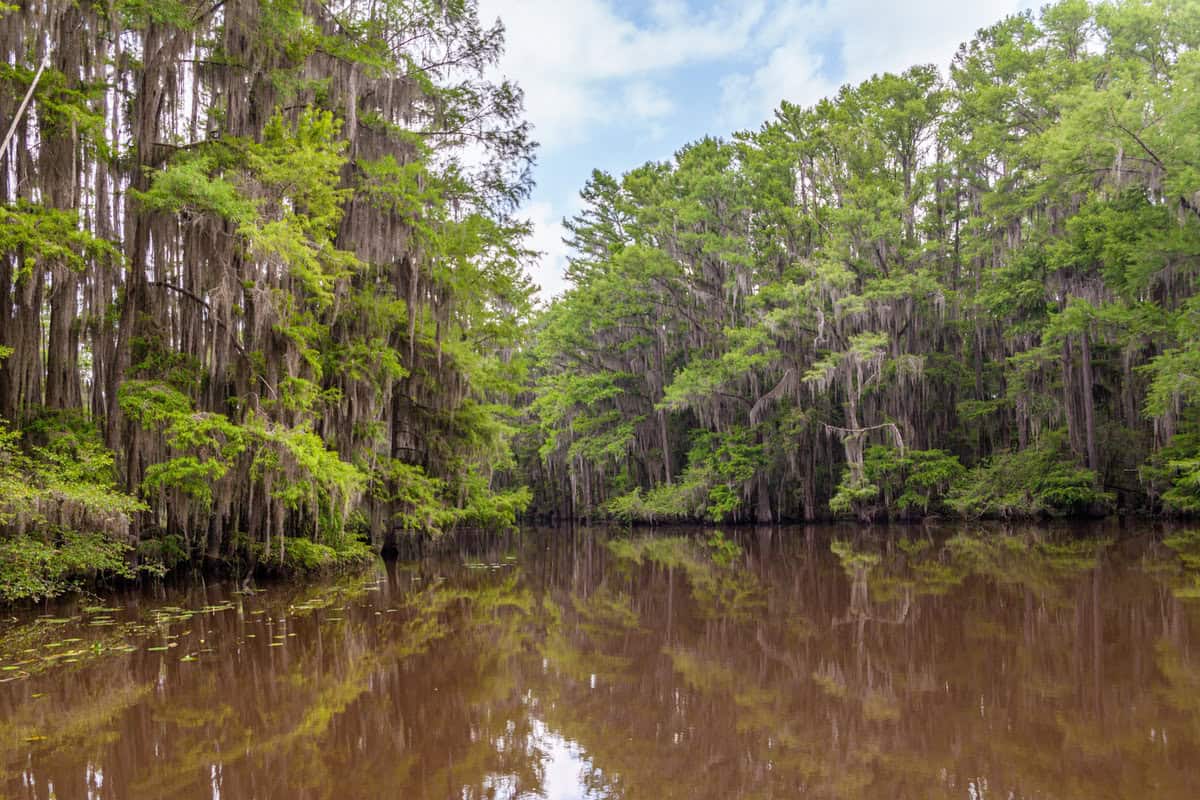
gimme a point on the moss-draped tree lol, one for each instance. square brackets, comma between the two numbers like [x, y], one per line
[265, 253]
[968, 292]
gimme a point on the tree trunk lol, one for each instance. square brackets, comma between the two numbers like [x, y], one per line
[666, 445]
[1088, 396]
[62, 351]
[1068, 377]
[762, 511]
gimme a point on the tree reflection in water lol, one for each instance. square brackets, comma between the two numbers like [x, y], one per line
[790, 662]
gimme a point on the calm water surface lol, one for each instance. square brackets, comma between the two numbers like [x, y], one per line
[794, 662]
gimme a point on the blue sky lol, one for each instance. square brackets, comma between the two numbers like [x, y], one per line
[611, 84]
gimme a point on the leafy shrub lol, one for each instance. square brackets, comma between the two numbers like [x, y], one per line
[1041, 480]
[306, 556]
[1173, 474]
[62, 519]
[424, 504]
[490, 509]
[36, 566]
[912, 483]
[711, 487]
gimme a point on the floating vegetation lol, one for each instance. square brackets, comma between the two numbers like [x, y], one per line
[217, 608]
[31, 647]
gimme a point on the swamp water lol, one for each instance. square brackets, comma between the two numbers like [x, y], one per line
[794, 662]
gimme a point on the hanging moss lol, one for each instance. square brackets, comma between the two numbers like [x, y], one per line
[241, 240]
[989, 268]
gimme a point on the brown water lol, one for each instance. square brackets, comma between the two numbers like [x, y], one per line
[790, 663]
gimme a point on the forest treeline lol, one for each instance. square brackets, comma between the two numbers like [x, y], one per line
[967, 292]
[267, 303]
[262, 282]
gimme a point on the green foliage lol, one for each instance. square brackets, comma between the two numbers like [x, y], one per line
[853, 496]
[138, 13]
[43, 236]
[153, 404]
[62, 519]
[968, 263]
[305, 474]
[1174, 473]
[163, 553]
[1042, 480]
[299, 308]
[304, 556]
[914, 483]
[685, 499]
[711, 487]
[565, 400]
[485, 508]
[197, 184]
[426, 505]
[701, 378]
[417, 499]
[36, 567]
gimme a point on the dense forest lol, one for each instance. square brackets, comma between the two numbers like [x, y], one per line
[263, 283]
[267, 303]
[965, 293]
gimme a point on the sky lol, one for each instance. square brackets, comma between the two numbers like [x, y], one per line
[612, 84]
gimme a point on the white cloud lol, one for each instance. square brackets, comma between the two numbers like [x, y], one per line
[547, 240]
[574, 58]
[748, 100]
[882, 37]
[647, 101]
[873, 36]
[669, 12]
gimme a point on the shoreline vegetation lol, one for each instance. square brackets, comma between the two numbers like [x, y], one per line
[267, 300]
[966, 292]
